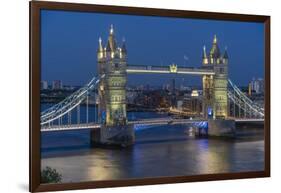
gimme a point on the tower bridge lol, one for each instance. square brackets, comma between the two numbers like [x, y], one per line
[112, 125]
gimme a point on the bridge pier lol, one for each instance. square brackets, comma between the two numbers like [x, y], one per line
[122, 135]
[221, 128]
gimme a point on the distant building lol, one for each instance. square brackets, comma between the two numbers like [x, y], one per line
[192, 103]
[166, 87]
[44, 85]
[256, 85]
[68, 87]
[185, 88]
[147, 87]
[179, 105]
[56, 85]
[140, 87]
[131, 96]
[174, 97]
[250, 89]
[173, 86]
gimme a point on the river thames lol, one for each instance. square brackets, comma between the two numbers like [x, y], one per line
[159, 151]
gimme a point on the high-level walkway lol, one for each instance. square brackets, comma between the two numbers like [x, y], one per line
[135, 69]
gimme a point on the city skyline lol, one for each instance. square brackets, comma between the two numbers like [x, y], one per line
[72, 39]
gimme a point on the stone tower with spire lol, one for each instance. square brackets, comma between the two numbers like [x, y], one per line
[215, 104]
[112, 89]
[112, 112]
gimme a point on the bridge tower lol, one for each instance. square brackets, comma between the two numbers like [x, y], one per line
[215, 103]
[112, 111]
[115, 82]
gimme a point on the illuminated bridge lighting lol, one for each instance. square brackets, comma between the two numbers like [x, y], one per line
[135, 69]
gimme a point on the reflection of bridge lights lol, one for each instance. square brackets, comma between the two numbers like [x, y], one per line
[140, 127]
[204, 144]
[202, 126]
[210, 111]
[190, 131]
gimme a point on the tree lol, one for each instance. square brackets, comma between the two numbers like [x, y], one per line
[49, 175]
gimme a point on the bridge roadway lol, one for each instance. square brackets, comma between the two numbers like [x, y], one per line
[135, 69]
[70, 127]
[248, 120]
[155, 121]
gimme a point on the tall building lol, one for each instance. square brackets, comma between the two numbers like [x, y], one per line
[215, 86]
[166, 87]
[44, 85]
[173, 85]
[173, 99]
[57, 84]
[112, 88]
[192, 103]
[257, 85]
[250, 89]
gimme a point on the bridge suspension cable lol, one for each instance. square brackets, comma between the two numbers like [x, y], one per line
[57, 111]
[243, 102]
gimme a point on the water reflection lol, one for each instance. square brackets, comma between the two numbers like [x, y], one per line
[211, 160]
[159, 151]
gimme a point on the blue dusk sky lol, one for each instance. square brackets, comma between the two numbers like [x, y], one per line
[69, 41]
